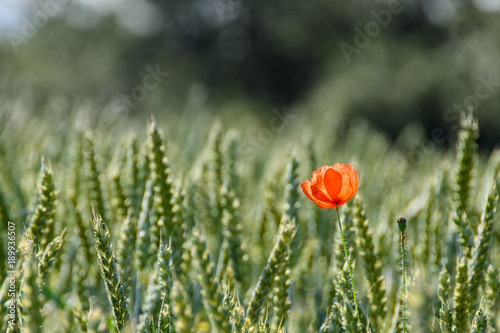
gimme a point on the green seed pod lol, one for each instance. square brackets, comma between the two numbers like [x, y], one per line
[402, 224]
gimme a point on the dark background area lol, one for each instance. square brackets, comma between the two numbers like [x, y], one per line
[242, 57]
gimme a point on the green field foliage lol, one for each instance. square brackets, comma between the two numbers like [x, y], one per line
[191, 223]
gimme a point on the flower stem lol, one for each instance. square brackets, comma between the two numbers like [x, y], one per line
[348, 264]
[404, 279]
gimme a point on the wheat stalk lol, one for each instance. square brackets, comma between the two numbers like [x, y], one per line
[41, 226]
[109, 272]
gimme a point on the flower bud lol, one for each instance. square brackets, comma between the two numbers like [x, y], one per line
[402, 224]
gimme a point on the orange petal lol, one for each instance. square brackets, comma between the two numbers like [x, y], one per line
[318, 180]
[315, 194]
[319, 173]
[349, 181]
[333, 183]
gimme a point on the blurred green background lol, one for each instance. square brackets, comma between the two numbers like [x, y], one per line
[393, 63]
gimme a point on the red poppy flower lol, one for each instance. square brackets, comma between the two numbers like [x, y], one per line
[331, 186]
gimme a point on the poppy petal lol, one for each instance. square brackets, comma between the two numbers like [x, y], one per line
[333, 183]
[322, 200]
[318, 180]
[349, 181]
[315, 194]
[319, 173]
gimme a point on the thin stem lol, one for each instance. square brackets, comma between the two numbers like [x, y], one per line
[348, 264]
[404, 279]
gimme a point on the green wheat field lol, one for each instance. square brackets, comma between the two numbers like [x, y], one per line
[189, 224]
